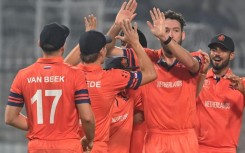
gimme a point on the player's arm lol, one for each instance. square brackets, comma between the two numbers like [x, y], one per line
[138, 117]
[82, 102]
[88, 125]
[236, 82]
[73, 57]
[181, 54]
[14, 117]
[131, 37]
[127, 11]
[203, 72]
[14, 106]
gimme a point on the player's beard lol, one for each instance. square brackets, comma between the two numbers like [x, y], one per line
[167, 51]
[221, 65]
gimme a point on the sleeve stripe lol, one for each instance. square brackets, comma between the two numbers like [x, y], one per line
[125, 53]
[130, 80]
[81, 95]
[82, 101]
[15, 99]
[132, 61]
[15, 104]
[12, 94]
[135, 80]
[82, 98]
[83, 91]
[129, 57]
[139, 74]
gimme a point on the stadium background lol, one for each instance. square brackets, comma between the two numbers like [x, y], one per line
[21, 22]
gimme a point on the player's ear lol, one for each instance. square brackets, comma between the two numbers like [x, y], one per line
[232, 55]
[62, 50]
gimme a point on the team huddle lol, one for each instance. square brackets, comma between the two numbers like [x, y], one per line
[104, 98]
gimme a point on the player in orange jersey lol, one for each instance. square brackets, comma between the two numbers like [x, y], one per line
[139, 127]
[55, 96]
[104, 85]
[169, 101]
[219, 106]
[123, 111]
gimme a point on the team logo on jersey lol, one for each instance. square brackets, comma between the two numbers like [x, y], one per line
[217, 105]
[221, 38]
[206, 83]
[124, 62]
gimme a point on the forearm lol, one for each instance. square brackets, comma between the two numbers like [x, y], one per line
[182, 55]
[146, 66]
[113, 32]
[89, 129]
[19, 122]
[200, 82]
[73, 57]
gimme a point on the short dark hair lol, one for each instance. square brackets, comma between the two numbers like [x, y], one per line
[91, 58]
[142, 38]
[169, 14]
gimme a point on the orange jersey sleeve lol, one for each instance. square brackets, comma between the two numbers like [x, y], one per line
[122, 78]
[154, 55]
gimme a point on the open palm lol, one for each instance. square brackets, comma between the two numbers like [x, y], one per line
[158, 26]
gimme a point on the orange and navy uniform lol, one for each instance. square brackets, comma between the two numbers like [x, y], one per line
[139, 130]
[170, 107]
[122, 120]
[103, 86]
[219, 112]
[50, 90]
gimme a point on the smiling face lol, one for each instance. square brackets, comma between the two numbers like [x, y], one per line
[220, 57]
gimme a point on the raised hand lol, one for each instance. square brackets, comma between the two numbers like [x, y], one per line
[90, 22]
[158, 26]
[126, 12]
[130, 33]
[236, 82]
[206, 62]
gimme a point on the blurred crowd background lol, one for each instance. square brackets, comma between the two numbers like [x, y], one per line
[22, 20]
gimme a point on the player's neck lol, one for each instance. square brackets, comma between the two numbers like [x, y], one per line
[168, 59]
[91, 64]
[220, 73]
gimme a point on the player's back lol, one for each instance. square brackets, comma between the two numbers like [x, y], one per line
[103, 86]
[49, 88]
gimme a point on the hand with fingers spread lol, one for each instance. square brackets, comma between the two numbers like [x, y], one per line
[90, 22]
[130, 33]
[158, 26]
[206, 62]
[86, 144]
[236, 82]
[126, 12]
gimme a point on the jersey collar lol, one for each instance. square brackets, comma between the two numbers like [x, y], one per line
[50, 60]
[165, 65]
[211, 74]
[89, 68]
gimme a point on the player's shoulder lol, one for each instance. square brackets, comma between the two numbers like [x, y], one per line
[116, 73]
[195, 53]
[29, 69]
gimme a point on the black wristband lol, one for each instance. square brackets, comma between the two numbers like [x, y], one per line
[168, 40]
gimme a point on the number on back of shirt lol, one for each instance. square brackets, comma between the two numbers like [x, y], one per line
[38, 99]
